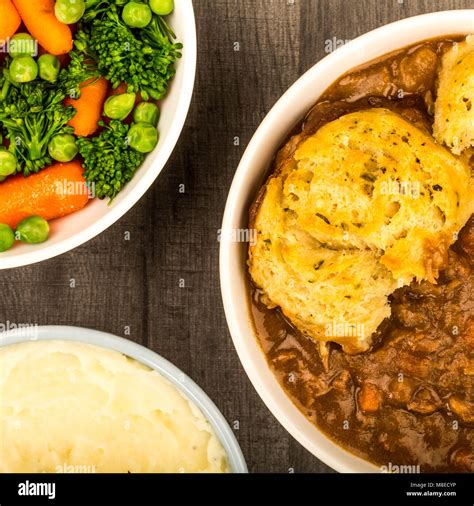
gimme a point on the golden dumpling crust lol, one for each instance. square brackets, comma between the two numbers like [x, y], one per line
[454, 111]
[364, 205]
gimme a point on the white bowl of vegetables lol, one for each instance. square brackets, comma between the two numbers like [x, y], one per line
[93, 97]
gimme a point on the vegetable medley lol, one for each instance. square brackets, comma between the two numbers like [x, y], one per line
[80, 84]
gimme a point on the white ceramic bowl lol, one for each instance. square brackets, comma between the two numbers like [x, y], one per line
[72, 231]
[149, 358]
[272, 132]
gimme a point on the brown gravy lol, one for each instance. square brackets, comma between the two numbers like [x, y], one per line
[409, 400]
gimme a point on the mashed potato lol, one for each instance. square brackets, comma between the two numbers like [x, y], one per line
[72, 407]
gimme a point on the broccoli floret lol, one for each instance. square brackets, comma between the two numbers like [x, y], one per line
[109, 162]
[143, 59]
[31, 114]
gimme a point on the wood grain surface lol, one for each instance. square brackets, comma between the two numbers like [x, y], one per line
[161, 287]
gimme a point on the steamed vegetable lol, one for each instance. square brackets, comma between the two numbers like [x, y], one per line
[9, 19]
[54, 192]
[23, 69]
[119, 106]
[8, 163]
[162, 7]
[109, 161]
[31, 115]
[33, 230]
[124, 50]
[143, 137]
[142, 58]
[49, 67]
[69, 11]
[146, 112]
[7, 237]
[22, 44]
[63, 148]
[136, 15]
[88, 106]
[41, 22]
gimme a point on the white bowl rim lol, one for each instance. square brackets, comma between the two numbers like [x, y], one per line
[238, 326]
[151, 359]
[121, 208]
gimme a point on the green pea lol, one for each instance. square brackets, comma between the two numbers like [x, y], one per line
[69, 11]
[22, 44]
[33, 230]
[162, 7]
[63, 148]
[23, 69]
[49, 67]
[119, 106]
[8, 163]
[146, 112]
[143, 137]
[7, 237]
[136, 15]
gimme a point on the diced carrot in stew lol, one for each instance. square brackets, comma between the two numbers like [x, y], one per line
[369, 398]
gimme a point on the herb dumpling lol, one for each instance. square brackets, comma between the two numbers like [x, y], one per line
[328, 293]
[366, 204]
[454, 106]
[371, 179]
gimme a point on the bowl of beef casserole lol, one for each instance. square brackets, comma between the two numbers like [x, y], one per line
[352, 307]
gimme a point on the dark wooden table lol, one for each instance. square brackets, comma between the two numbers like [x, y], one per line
[163, 284]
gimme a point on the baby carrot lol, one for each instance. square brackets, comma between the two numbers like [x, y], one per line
[52, 193]
[89, 107]
[41, 22]
[122, 88]
[9, 19]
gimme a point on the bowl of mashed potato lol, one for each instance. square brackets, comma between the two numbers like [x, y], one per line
[81, 401]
